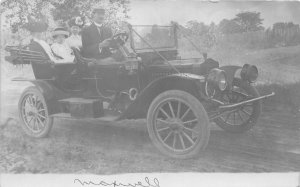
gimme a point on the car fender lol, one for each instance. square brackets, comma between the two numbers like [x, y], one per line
[183, 81]
[45, 88]
[50, 94]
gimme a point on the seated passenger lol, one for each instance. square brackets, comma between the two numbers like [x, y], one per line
[60, 49]
[74, 40]
[38, 43]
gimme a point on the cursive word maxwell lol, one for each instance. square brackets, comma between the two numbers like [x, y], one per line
[146, 183]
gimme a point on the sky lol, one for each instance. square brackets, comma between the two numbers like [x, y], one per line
[181, 11]
[162, 12]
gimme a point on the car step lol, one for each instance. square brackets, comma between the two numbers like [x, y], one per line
[61, 115]
[81, 108]
[106, 117]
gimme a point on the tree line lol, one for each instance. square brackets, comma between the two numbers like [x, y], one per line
[245, 24]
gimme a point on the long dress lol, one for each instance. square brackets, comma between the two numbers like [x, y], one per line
[63, 51]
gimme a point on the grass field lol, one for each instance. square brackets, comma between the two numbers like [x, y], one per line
[276, 65]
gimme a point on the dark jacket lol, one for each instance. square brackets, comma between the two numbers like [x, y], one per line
[91, 38]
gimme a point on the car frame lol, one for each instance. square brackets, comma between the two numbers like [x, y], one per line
[178, 97]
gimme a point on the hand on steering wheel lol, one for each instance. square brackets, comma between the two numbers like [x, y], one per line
[120, 38]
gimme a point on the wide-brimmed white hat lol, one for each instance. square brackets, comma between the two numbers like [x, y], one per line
[60, 31]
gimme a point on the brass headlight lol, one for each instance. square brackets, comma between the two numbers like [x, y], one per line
[249, 73]
[217, 79]
[222, 81]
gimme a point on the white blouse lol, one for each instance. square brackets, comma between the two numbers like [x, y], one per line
[63, 51]
[74, 41]
[48, 50]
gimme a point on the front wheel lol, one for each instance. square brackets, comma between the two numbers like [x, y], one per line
[33, 113]
[178, 124]
[242, 118]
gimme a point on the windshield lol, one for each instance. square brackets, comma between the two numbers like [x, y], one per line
[157, 36]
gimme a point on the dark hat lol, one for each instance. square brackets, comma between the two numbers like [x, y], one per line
[76, 21]
[98, 10]
[60, 31]
[36, 26]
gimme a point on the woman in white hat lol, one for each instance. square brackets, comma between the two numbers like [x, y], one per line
[59, 47]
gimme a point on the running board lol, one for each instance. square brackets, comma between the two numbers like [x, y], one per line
[107, 118]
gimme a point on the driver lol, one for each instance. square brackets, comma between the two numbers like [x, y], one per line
[96, 37]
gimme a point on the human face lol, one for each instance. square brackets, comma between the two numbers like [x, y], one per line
[98, 17]
[60, 39]
[75, 30]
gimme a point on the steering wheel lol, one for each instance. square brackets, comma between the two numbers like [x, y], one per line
[120, 38]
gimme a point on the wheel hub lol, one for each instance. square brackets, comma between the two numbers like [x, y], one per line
[176, 124]
[32, 111]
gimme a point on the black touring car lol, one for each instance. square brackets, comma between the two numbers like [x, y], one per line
[178, 97]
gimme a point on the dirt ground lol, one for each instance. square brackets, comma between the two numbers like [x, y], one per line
[90, 146]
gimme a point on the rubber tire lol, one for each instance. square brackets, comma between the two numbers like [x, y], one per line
[198, 109]
[257, 108]
[48, 125]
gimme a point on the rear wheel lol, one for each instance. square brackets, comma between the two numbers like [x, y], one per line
[178, 124]
[242, 118]
[33, 113]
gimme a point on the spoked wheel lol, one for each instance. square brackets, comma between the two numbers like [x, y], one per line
[33, 113]
[178, 124]
[242, 118]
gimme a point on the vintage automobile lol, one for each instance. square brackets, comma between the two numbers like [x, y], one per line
[178, 97]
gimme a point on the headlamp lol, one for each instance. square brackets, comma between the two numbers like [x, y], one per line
[217, 79]
[249, 73]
